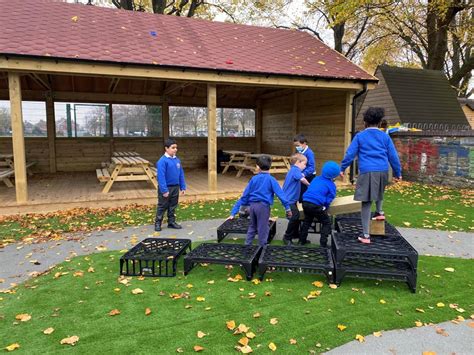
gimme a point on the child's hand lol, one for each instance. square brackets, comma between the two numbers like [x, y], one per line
[166, 194]
[230, 217]
[289, 214]
[397, 179]
[183, 192]
[341, 174]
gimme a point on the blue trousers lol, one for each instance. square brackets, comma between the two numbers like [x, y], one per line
[259, 215]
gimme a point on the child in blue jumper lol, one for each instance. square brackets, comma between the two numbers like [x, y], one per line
[259, 195]
[292, 188]
[309, 172]
[375, 151]
[316, 200]
[170, 177]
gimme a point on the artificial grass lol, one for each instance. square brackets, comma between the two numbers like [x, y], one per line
[406, 205]
[80, 306]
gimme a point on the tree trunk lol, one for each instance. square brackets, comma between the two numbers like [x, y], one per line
[338, 30]
[159, 6]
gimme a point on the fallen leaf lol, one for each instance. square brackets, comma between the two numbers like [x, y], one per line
[418, 323]
[70, 341]
[91, 269]
[244, 349]
[23, 317]
[78, 274]
[180, 350]
[341, 327]
[383, 301]
[442, 332]
[256, 281]
[242, 328]
[440, 304]
[317, 284]
[293, 341]
[189, 286]
[460, 310]
[428, 353]
[200, 299]
[449, 269]
[48, 331]
[257, 315]
[114, 312]
[377, 334]
[267, 293]
[360, 338]
[273, 321]
[272, 346]
[250, 335]
[12, 347]
[200, 334]
[353, 301]
[198, 348]
[137, 291]
[210, 282]
[244, 341]
[408, 224]
[147, 311]
[230, 324]
[421, 310]
[74, 18]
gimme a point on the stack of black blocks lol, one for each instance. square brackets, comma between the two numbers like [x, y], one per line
[388, 257]
[240, 226]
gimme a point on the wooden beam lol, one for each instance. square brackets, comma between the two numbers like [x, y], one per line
[51, 132]
[165, 120]
[211, 138]
[347, 128]
[40, 81]
[18, 138]
[258, 125]
[294, 119]
[172, 88]
[57, 66]
[275, 93]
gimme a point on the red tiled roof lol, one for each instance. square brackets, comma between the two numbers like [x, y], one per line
[73, 31]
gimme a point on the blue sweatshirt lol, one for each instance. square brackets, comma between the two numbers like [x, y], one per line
[375, 151]
[321, 191]
[261, 188]
[311, 164]
[292, 185]
[169, 172]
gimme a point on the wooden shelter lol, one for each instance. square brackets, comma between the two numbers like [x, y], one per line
[57, 52]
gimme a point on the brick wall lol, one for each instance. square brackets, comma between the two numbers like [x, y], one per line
[445, 158]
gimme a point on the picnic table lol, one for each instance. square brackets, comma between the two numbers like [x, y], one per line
[236, 157]
[7, 169]
[280, 164]
[126, 166]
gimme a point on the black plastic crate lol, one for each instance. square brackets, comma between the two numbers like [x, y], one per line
[379, 269]
[225, 254]
[389, 257]
[353, 226]
[154, 257]
[240, 226]
[301, 259]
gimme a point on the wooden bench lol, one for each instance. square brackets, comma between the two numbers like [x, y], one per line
[103, 174]
[5, 176]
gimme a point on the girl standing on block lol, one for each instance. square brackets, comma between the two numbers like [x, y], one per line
[375, 151]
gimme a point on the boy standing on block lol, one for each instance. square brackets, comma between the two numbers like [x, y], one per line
[301, 144]
[170, 177]
[316, 200]
[259, 195]
[375, 151]
[292, 188]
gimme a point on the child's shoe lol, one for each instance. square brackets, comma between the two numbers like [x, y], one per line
[378, 216]
[364, 240]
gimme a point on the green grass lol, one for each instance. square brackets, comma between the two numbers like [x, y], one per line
[80, 306]
[406, 204]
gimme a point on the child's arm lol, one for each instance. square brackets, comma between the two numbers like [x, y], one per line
[350, 153]
[304, 181]
[242, 201]
[281, 196]
[394, 160]
[331, 195]
[310, 168]
[182, 183]
[161, 174]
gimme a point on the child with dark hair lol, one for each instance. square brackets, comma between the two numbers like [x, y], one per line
[301, 144]
[259, 195]
[292, 188]
[375, 151]
[170, 177]
[316, 200]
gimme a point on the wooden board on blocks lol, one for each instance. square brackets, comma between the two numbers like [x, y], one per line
[377, 228]
[340, 205]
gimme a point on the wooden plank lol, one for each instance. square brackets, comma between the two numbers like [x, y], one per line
[294, 119]
[165, 120]
[51, 132]
[211, 137]
[258, 125]
[348, 127]
[19, 159]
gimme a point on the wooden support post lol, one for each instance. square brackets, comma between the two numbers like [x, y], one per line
[165, 119]
[110, 129]
[258, 126]
[294, 121]
[211, 137]
[51, 132]
[347, 129]
[19, 159]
